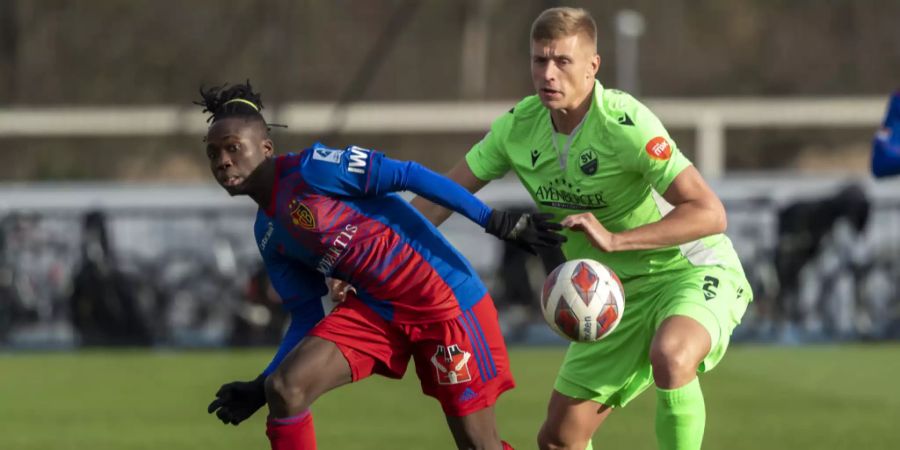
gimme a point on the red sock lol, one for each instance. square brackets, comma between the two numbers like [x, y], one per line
[506, 446]
[292, 433]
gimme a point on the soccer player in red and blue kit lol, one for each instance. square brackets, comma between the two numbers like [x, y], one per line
[331, 213]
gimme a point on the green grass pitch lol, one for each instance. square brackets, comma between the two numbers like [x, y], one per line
[829, 397]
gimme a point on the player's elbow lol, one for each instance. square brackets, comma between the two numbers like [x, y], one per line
[718, 219]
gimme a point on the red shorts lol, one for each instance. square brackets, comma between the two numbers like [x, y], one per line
[462, 362]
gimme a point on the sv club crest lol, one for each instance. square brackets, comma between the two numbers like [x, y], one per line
[451, 364]
[587, 161]
[301, 215]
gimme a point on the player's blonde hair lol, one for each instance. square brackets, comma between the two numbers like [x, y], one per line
[561, 22]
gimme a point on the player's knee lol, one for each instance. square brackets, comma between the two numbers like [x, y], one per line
[281, 392]
[670, 357]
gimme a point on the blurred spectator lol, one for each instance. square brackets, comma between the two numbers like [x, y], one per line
[105, 305]
[803, 229]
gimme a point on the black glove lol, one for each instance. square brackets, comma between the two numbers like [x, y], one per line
[526, 231]
[237, 401]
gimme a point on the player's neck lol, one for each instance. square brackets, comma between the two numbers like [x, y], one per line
[566, 120]
[261, 182]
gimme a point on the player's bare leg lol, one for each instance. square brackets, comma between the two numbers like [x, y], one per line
[312, 368]
[475, 431]
[678, 347]
[570, 423]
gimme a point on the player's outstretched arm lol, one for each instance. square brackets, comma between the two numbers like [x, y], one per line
[460, 174]
[525, 230]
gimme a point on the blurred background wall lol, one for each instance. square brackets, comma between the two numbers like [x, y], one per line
[58, 52]
[787, 93]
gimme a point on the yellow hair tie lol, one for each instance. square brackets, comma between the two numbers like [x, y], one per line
[240, 100]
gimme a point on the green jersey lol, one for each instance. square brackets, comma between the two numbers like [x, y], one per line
[614, 164]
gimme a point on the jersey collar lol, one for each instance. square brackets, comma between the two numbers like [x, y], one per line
[563, 153]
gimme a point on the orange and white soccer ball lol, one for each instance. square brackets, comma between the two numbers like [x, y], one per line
[582, 300]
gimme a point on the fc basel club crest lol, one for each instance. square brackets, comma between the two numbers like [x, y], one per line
[451, 364]
[588, 162]
[301, 215]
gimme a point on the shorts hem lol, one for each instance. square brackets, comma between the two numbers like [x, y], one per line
[687, 309]
[354, 369]
[479, 405]
[575, 390]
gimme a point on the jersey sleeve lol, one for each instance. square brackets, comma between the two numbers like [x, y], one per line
[349, 172]
[645, 145]
[488, 159]
[358, 172]
[411, 176]
[301, 290]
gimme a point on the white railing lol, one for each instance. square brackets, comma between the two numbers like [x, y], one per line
[709, 117]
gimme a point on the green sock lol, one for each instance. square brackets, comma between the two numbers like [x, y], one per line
[680, 417]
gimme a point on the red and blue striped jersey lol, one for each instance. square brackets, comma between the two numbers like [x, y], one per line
[332, 215]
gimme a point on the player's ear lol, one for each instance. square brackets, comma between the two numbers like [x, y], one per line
[595, 65]
[268, 148]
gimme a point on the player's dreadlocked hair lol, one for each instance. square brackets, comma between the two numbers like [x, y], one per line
[225, 101]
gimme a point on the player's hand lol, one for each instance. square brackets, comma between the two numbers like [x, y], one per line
[339, 289]
[596, 233]
[527, 231]
[237, 401]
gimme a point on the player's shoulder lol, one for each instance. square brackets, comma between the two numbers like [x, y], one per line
[619, 107]
[528, 108]
[316, 158]
[521, 116]
[622, 116]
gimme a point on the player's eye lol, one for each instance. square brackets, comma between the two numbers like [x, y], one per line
[234, 147]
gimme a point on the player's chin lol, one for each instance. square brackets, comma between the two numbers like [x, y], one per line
[234, 190]
[552, 102]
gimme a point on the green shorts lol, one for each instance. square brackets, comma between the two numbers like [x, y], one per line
[615, 370]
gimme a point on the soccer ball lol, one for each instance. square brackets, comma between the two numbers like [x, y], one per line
[582, 300]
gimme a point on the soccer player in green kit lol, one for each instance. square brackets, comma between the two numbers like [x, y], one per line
[604, 165]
